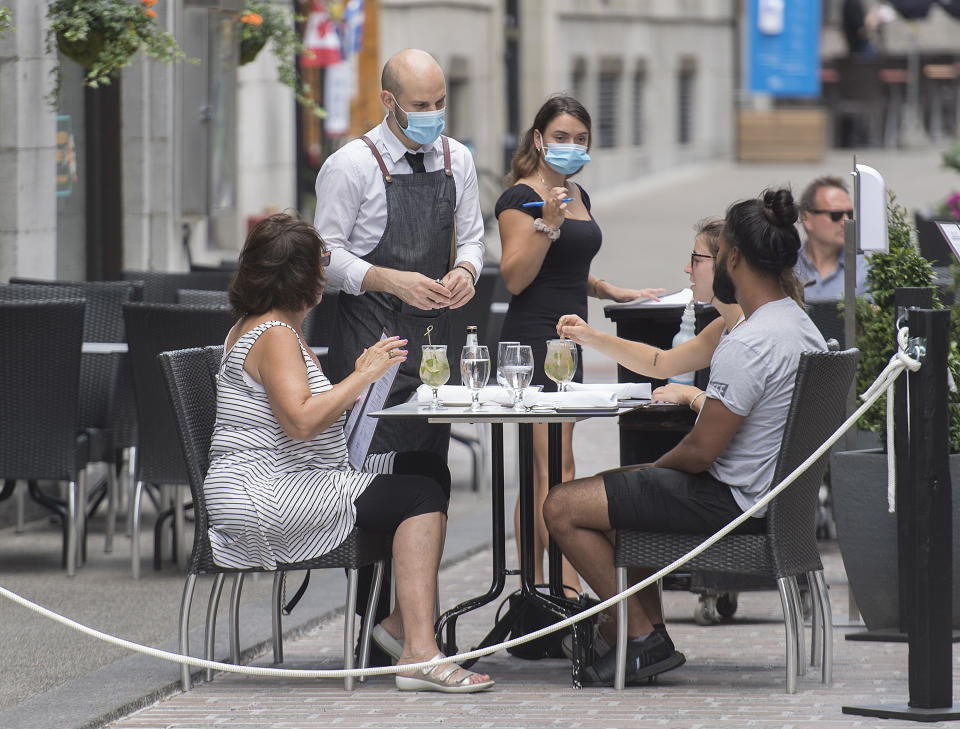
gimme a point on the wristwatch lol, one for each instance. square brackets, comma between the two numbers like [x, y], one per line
[540, 226]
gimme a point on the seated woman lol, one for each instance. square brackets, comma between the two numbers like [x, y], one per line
[280, 486]
[726, 463]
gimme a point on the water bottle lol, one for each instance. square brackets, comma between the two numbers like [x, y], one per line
[472, 340]
[688, 323]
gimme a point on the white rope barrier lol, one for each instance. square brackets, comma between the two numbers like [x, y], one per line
[883, 384]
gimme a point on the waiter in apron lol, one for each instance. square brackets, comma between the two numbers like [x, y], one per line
[400, 214]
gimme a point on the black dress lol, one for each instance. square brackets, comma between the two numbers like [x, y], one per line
[560, 286]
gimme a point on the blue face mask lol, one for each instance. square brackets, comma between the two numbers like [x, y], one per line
[566, 158]
[423, 127]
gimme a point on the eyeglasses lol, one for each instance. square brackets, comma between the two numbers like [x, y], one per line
[835, 215]
[695, 256]
[325, 259]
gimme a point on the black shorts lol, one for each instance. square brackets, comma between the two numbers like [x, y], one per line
[667, 500]
[419, 484]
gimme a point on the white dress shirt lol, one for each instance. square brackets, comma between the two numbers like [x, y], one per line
[352, 203]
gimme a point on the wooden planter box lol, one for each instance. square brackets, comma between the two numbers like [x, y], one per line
[781, 135]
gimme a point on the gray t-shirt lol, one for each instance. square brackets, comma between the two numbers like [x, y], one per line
[752, 373]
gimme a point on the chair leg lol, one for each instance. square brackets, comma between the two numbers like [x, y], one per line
[798, 626]
[827, 623]
[185, 601]
[81, 515]
[20, 500]
[135, 504]
[130, 481]
[71, 521]
[111, 508]
[349, 621]
[620, 678]
[276, 617]
[816, 622]
[179, 525]
[366, 628]
[786, 601]
[210, 629]
[235, 618]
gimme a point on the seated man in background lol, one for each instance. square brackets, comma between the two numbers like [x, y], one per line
[726, 463]
[824, 207]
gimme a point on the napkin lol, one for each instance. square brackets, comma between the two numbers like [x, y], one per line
[623, 390]
[461, 394]
[581, 399]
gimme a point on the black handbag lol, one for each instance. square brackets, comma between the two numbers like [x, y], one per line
[535, 616]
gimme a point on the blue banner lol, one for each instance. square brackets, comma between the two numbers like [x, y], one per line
[783, 47]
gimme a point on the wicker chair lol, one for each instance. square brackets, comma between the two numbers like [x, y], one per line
[789, 546]
[202, 297]
[106, 394]
[160, 287]
[190, 379]
[151, 329]
[40, 433]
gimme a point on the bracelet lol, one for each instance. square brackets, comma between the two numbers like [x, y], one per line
[551, 233]
[692, 402]
[472, 278]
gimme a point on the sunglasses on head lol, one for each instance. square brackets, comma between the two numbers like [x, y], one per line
[835, 215]
[325, 259]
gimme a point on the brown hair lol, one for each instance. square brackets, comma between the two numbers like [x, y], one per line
[279, 267]
[808, 200]
[527, 158]
[710, 229]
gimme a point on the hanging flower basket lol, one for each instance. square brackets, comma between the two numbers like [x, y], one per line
[103, 36]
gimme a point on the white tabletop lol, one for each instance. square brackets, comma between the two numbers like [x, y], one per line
[492, 413]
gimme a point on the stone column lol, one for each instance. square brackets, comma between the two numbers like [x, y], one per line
[28, 203]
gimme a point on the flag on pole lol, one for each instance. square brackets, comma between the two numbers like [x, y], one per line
[320, 39]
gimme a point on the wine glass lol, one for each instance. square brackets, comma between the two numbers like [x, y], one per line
[501, 354]
[517, 367]
[561, 362]
[434, 370]
[475, 371]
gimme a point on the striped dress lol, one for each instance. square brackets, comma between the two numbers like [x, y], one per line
[271, 498]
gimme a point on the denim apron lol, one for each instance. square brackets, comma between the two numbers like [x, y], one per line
[420, 216]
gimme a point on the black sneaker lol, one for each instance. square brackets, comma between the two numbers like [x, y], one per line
[645, 659]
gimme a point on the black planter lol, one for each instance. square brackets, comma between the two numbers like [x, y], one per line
[868, 535]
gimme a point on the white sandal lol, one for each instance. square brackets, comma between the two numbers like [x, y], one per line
[442, 678]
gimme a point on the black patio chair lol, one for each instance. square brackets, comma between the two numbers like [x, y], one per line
[106, 394]
[789, 546]
[40, 433]
[826, 315]
[190, 381]
[151, 329]
[161, 286]
[202, 297]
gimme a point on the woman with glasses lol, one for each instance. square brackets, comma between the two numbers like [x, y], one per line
[549, 239]
[692, 355]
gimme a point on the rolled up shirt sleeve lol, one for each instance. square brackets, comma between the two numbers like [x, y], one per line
[339, 197]
[469, 218]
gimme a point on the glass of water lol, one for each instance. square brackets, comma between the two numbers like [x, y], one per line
[434, 370]
[475, 371]
[501, 354]
[561, 361]
[517, 367]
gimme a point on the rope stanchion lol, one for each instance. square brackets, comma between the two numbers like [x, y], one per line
[898, 363]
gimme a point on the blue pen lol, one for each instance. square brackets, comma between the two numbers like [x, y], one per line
[539, 204]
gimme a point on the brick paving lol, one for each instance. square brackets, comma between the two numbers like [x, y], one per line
[733, 678]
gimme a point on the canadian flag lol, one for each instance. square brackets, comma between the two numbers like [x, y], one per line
[320, 39]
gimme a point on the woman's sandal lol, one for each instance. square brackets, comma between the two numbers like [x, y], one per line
[448, 678]
[390, 645]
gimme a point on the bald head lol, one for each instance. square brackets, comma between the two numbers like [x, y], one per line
[410, 67]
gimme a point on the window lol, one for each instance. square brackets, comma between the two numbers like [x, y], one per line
[686, 90]
[638, 103]
[608, 102]
[578, 79]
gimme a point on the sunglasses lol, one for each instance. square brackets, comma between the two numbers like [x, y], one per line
[835, 215]
[695, 256]
[325, 259]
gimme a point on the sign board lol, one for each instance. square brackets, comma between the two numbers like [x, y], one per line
[951, 231]
[783, 47]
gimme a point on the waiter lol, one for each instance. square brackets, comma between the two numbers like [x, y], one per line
[399, 212]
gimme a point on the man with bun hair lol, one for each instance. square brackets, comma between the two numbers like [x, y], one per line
[726, 463]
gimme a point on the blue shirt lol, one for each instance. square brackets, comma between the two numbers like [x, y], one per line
[816, 288]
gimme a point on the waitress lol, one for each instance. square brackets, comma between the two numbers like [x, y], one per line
[549, 239]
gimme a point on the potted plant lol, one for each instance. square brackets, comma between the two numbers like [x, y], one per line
[263, 21]
[866, 532]
[103, 36]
